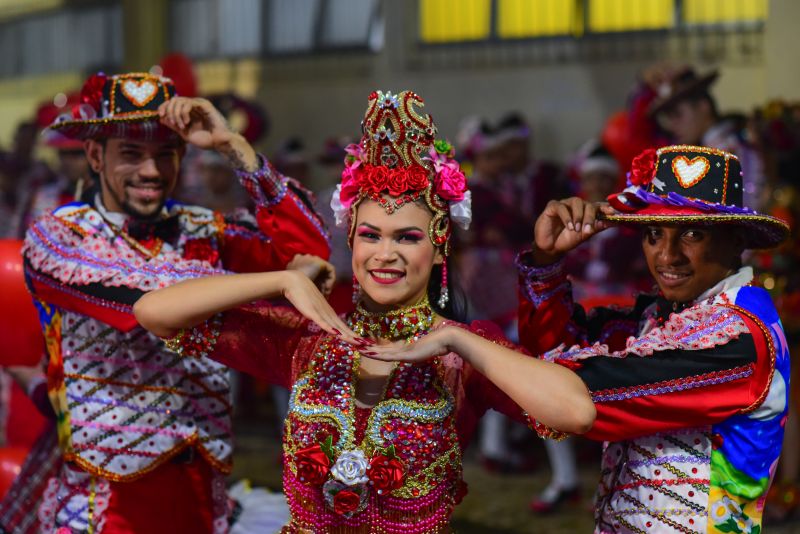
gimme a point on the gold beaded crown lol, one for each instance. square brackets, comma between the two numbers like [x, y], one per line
[394, 133]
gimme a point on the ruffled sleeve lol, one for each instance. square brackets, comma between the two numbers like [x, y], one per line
[549, 316]
[283, 224]
[271, 342]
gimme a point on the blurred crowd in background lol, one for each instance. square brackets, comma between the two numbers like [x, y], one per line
[510, 184]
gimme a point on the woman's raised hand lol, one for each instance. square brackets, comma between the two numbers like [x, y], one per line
[322, 273]
[565, 224]
[308, 300]
[437, 343]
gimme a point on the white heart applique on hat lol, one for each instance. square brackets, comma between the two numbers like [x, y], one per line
[140, 92]
[690, 172]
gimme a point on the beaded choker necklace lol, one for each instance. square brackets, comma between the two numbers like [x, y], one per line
[396, 325]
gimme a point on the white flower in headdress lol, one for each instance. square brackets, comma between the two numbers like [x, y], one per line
[340, 211]
[461, 211]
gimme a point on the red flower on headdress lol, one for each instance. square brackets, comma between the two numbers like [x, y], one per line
[374, 178]
[643, 168]
[407, 179]
[92, 91]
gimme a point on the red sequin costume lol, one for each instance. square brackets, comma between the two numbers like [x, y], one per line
[426, 417]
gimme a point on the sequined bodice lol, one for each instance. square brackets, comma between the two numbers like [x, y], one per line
[410, 434]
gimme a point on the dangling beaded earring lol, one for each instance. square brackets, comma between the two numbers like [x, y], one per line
[356, 290]
[444, 296]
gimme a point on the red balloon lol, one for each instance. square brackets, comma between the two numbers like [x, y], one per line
[620, 139]
[180, 69]
[23, 343]
[11, 460]
[615, 134]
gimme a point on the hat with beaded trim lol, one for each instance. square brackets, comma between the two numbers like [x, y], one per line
[122, 105]
[684, 184]
[399, 161]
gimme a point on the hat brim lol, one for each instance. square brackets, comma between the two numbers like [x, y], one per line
[145, 126]
[702, 83]
[761, 231]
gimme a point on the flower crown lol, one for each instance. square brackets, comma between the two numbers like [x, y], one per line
[399, 161]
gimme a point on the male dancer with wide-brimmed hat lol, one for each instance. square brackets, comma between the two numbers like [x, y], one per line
[691, 384]
[145, 433]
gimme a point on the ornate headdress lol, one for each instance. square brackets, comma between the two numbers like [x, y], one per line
[398, 161]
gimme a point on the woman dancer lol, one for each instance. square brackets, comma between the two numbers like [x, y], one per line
[373, 446]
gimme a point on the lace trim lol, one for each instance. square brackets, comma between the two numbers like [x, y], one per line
[540, 284]
[670, 386]
[700, 327]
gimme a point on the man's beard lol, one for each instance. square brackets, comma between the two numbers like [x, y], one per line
[129, 209]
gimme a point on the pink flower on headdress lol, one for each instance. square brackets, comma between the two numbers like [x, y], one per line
[355, 154]
[449, 183]
[350, 186]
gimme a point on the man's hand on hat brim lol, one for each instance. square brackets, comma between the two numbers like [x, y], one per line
[199, 123]
[565, 224]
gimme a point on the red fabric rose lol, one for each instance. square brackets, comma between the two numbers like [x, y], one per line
[405, 180]
[346, 501]
[200, 249]
[374, 178]
[643, 167]
[312, 465]
[92, 91]
[385, 473]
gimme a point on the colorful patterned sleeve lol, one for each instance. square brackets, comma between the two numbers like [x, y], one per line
[549, 317]
[284, 224]
[701, 367]
[260, 339]
[73, 268]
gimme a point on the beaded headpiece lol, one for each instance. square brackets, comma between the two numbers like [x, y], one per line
[398, 161]
[122, 105]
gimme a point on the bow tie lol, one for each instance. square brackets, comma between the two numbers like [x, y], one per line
[664, 308]
[167, 230]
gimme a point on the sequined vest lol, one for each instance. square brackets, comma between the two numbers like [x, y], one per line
[132, 404]
[125, 403]
[409, 438]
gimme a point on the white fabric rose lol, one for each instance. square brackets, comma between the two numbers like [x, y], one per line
[351, 468]
[340, 212]
[461, 211]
